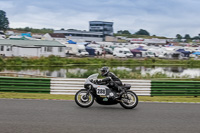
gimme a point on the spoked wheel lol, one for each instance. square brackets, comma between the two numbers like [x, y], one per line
[129, 100]
[84, 100]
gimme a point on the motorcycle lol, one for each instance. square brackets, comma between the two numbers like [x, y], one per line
[104, 95]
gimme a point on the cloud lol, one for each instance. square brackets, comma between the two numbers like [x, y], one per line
[159, 17]
[4, 5]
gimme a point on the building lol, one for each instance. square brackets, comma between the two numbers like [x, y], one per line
[81, 36]
[98, 30]
[100, 26]
[31, 48]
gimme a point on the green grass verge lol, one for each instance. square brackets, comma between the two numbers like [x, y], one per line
[34, 96]
[10, 95]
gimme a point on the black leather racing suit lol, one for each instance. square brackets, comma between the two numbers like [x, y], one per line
[113, 81]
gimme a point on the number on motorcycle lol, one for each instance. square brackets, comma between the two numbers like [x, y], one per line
[101, 91]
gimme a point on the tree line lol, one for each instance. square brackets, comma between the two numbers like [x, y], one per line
[187, 36]
[140, 32]
[33, 30]
[146, 33]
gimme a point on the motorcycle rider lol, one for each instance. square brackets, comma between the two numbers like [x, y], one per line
[113, 81]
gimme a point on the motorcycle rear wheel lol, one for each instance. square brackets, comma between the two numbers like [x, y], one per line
[129, 100]
[83, 100]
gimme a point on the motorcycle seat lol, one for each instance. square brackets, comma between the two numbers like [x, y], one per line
[127, 86]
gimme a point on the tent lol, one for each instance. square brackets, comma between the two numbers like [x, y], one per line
[90, 50]
[135, 52]
[196, 53]
[186, 53]
[141, 49]
[83, 43]
[71, 42]
[26, 34]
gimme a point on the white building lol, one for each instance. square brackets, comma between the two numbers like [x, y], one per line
[31, 48]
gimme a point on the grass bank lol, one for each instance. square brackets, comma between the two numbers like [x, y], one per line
[10, 95]
[59, 61]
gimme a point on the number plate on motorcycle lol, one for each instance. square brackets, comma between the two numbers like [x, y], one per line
[101, 91]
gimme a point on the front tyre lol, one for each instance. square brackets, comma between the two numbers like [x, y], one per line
[84, 100]
[129, 100]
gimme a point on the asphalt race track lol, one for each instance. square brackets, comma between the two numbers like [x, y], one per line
[56, 116]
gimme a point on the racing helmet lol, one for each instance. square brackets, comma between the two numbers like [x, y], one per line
[104, 70]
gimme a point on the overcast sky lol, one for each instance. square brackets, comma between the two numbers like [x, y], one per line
[158, 17]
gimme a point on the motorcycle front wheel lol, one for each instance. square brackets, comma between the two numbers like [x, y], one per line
[129, 100]
[84, 100]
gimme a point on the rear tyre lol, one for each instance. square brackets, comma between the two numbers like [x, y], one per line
[129, 100]
[84, 100]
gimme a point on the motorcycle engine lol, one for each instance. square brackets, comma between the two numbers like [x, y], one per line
[111, 94]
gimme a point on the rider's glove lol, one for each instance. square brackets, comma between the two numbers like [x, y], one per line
[97, 80]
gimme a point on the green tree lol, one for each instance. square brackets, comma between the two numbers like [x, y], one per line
[4, 23]
[196, 38]
[123, 32]
[187, 36]
[142, 32]
[27, 29]
[178, 36]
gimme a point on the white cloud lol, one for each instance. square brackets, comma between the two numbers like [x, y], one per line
[5, 5]
[159, 17]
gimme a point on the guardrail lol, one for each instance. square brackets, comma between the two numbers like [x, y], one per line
[69, 86]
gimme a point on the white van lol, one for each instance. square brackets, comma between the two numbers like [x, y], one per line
[147, 54]
[76, 49]
[122, 52]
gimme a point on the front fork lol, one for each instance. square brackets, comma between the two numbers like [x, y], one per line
[87, 93]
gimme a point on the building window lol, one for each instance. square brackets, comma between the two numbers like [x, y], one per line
[48, 49]
[2, 48]
[60, 49]
[9, 48]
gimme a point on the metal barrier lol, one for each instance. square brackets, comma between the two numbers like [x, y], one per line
[71, 86]
[29, 85]
[175, 88]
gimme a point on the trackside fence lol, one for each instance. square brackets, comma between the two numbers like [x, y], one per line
[175, 88]
[28, 85]
[69, 86]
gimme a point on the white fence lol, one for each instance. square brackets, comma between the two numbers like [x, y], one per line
[69, 86]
